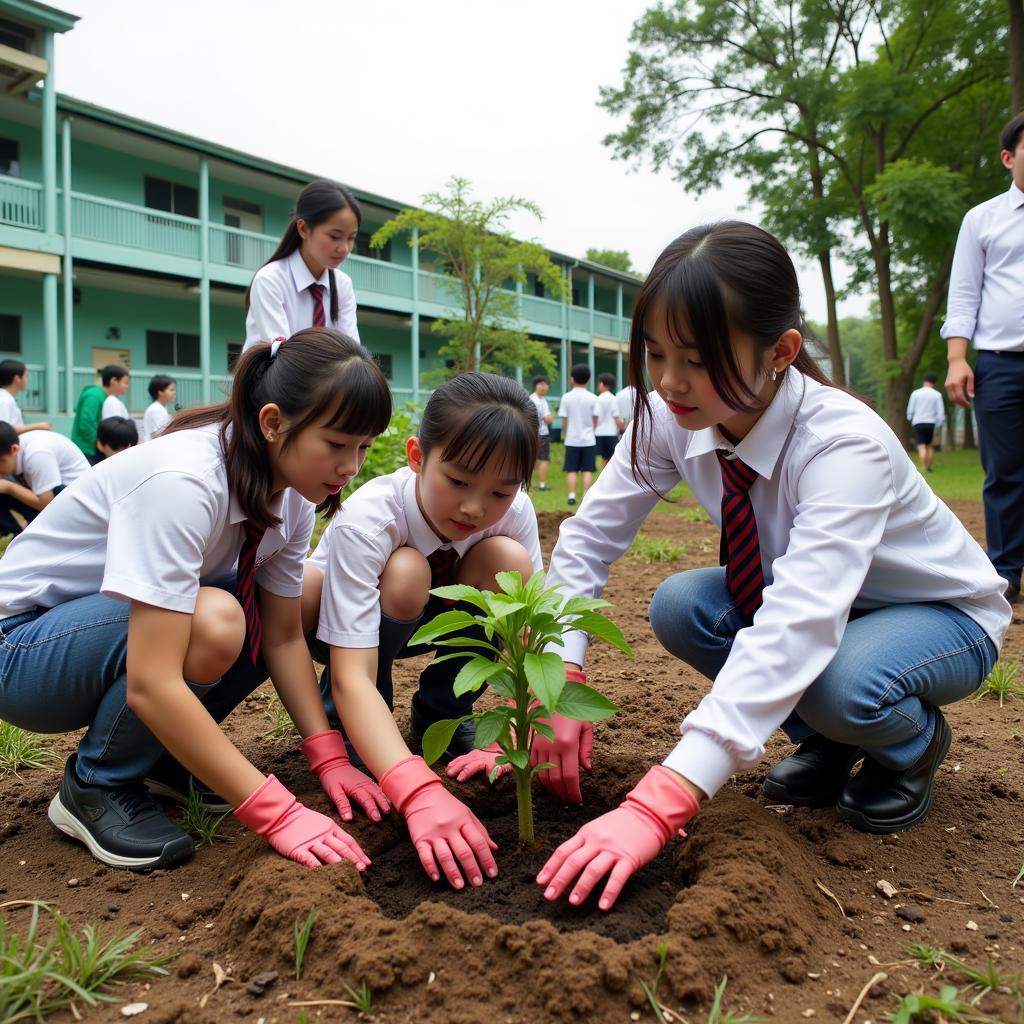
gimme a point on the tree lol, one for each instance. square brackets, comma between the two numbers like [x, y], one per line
[857, 127]
[1016, 54]
[483, 262]
[615, 259]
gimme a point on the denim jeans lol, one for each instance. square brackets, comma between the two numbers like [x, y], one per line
[894, 665]
[65, 668]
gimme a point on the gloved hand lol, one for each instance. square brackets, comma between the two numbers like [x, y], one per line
[465, 766]
[571, 747]
[443, 830]
[328, 760]
[621, 841]
[295, 831]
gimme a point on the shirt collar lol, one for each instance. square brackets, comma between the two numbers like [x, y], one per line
[301, 276]
[422, 536]
[1016, 196]
[237, 515]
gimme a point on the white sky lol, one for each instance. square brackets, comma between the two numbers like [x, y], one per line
[395, 96]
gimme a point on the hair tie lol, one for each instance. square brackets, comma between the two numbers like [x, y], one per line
[274, 346]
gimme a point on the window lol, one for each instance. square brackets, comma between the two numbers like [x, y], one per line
[383, 360]
[538, 288]
[10, 332]
[172, 348]
[9, 162]
[363, 248]
[172, 197]
[18, 36]
[234, 354]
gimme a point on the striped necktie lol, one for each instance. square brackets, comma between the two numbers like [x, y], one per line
[317, 291]
[741, 550]
[245, 588]
[442, 566]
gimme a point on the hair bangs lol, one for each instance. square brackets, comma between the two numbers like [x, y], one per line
[357, 400]
[493, 432]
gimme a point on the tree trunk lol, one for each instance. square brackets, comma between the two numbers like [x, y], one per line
[1016, 55]
[895, 406]
[969, 441]
[835, 352]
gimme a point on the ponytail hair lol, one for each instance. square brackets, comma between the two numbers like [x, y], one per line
[476, 415]
[317, 201]
[318, 374]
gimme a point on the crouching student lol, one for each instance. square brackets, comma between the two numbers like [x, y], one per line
[456, 514]
[115, 434]
[162, 588]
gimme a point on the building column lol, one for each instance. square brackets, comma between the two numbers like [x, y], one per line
[204, 281]
[49, 155]
[566, 339]
[519, 315]
[619, 380]
[590, 328]
[414, 332]
[67, 271]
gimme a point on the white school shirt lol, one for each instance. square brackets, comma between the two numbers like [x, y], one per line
[580, 407]
[47, 459]
[152, 525]
[844, 520]
[624, 400]
[926, 406]
[113, 406]
[543, 409]
[382, 516]
[154, 420]
[281, 304]
[986, 282]
[10, 411]
[607, 410]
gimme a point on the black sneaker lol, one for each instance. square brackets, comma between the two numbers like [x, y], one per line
[462, 741]
[170, 781]
[814, 774]
[120, 826]
[572, 499]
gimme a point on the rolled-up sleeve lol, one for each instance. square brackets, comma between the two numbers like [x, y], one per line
[965, 281]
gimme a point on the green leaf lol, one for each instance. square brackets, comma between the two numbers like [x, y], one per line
[546, 674]
[466, 642]
[599, 626]
[578, 605]
[501, 605]
[438, 736]
[474, 674]
[489, 726]
[511, 583]
[544, 729]
[519, 759]
[493, 773]
[461, 592]
[503, 684]
[446, 622]
[542, 767]
[584, 704]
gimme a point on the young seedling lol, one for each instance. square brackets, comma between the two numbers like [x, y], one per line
[655, 549]
[519, 623]
[281, 724]
[948, 1005]
[694, 514]
[927, 956]
[361, 998]
[1002, 683]
[201, 822]
[718, 1016]
[302, 940]
[22, 749]
[1020, 877]
[651, 991]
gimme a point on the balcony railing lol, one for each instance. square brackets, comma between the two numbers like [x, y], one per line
[21, 203]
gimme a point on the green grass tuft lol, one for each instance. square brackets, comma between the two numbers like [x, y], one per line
[200, 822]
[655, 549]
[302, 935]
[1002, 683]
[22, 749]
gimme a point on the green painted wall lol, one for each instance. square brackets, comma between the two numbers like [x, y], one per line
[29, 149]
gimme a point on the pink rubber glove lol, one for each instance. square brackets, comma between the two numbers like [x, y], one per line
[465, 766]
[443, 830]
[328, 761]
[621, 841]
[572, 746]
[295, 831]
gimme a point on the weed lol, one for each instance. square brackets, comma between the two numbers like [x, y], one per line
[281, 724]
[651, 991]
[927, 956]
[200, 821]
[1002, 682]
[917, 1006]
[655, 549]
[362, 997]
[1020, 876]
[694, 514]
[22, 749]
[717, 1016]
[302, 940]
[41, 976]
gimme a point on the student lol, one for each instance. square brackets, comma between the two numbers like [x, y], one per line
[851, 604]
[42, 464]
[609, 423]
[985, 287]
[456, 514]
[112, 404]
[91, 402]
[927, 413]
[300, 285]
[14, 378]
[165, 584]
[114, 435]
[544, 418]
[578, 410]
[624, 403]
[163, 390]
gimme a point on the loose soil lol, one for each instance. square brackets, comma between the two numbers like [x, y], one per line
[744, 895]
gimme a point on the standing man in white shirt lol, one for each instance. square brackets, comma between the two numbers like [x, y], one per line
[578, 409]
[609, 423]
[544, 418]
[927, 414]
[986, 306]
[624, 400]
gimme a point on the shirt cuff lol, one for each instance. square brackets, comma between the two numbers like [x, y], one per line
[702, 761]
[575, 649]
[959, 327]
[339, 638]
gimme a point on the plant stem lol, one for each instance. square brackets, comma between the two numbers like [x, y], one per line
[524, 802]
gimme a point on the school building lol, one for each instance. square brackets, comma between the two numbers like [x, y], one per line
[123, 241]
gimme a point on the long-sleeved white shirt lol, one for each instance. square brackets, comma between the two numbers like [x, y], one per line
[926, 406]
[844, 520]
[986, 283]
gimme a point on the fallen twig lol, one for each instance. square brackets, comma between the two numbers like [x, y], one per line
[324, 1002]
[880, 976]
[832, 896]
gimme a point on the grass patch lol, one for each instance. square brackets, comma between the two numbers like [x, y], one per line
[22, 749]
[281, 724]
[40, 976]
[719, 1016]
[1002, 683]
[655, 549]
[947, 1004]
[200, 822]
[302, 935]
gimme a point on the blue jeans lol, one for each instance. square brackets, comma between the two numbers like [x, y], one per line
[894, 665]
[65, 667]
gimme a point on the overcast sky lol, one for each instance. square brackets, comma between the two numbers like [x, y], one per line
[395, 96]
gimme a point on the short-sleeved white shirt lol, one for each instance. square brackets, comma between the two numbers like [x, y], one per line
[113, 406]
[543, 409]
[152, 525]
[280, 302]
[382, 516]
[624, 400]
[10, 411]
[607, 410]
[155, 418]
[47, 459]
[580, 406]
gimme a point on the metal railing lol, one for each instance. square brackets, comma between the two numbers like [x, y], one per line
[21, 203]
[137, 227]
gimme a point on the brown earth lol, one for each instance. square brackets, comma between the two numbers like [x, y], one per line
[744, 896]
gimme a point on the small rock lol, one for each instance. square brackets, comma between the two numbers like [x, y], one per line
[72, 883]
[972, 926]
[132, 1009]
[431, 978]
[185, 896]
[264, 978]
[807, 1013]
[113, 908]
[887, 889]
[910, 914]
[635, 1015]
[991, 935]
[905, 927]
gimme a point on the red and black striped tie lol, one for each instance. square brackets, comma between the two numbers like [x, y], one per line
[442, 566]
[741, 550]
[319, 318]
[245, 588]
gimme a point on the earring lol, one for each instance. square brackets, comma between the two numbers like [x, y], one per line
[270, 436]
[775, 373]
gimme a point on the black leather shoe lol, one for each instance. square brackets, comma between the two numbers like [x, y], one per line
[814, 775]
[421, 718]
[881, 800]
[171, 781]
[1012, 592]
[121, 826]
